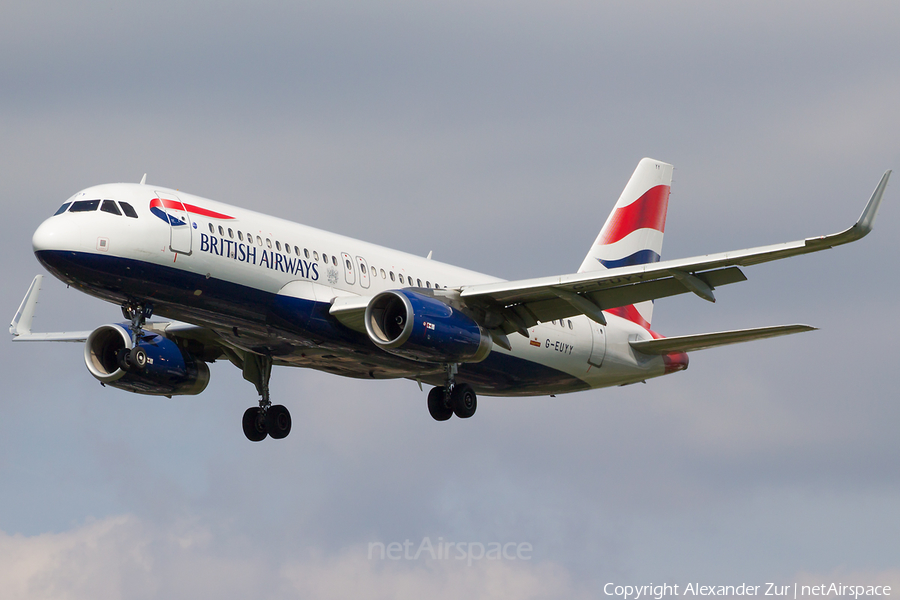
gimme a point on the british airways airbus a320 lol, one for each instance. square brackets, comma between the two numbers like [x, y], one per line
[260, 291]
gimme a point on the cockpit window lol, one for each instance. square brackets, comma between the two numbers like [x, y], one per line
[110, 207]
[84, 206]
[128, 210]
[62, 209]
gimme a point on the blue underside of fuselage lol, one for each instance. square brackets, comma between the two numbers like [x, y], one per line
[280, 325]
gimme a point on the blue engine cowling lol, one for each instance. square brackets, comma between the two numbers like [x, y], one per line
[423, 328]
[170, 371]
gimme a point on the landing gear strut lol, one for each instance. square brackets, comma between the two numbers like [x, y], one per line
[266, 419]
[137, 313]
[452, 398]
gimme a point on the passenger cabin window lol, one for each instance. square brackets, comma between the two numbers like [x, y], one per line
[400, 276]
[231, 233]
[306, 252]
[258, 241]
[419, 282]
[571, 326]
[315, 256]
[427, 284]
[128, 210]
[383, 276]
[211, 228]
[277, 245]
[287, 248]
[334, 260]
[221, 231]
[62, 209]
[240, 236]
[269, 243]
[296, 250]
[392, 276]
[110, 207]
[85, 206]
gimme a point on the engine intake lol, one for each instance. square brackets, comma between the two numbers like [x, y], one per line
[170, 371]
[423, 328]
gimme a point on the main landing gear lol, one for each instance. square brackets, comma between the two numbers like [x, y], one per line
[134, 359]
[266, 419]
[452, 398]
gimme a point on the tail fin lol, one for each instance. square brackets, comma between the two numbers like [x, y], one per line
[633, 232]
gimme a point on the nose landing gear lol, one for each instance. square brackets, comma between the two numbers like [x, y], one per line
[135, 359]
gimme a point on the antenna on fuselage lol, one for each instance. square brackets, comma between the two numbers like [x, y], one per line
[429, 254]
[144, 179]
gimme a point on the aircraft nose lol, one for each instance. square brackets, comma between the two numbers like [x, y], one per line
[46, 237]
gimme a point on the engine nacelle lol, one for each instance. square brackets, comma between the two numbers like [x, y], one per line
[423, 328]
[170, 371]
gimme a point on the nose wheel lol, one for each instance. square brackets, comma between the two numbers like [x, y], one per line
[135, 359]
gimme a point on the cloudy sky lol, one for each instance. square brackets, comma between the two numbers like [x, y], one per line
[498, 135]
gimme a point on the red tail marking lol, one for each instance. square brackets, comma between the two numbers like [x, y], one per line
[647, 212]
[630, 313]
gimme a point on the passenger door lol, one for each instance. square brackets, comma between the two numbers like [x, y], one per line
[179, 223]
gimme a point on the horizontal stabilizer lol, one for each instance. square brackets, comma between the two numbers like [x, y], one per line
[701, 341]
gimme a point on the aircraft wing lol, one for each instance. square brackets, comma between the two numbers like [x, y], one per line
[351, 311]
[702, 341]
[518, 305]
[20, 326]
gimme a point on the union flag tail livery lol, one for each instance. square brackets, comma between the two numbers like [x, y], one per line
[633, 232]
[255, 291]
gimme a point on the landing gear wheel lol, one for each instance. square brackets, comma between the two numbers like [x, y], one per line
[122, 359]
[254, 426]
[463, 400]
[278, 421]
[137, 357]
[437, 405]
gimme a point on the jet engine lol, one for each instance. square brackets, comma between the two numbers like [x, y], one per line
[169, 370]
[424, 328]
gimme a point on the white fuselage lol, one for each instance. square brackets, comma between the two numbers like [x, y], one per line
[213, 264]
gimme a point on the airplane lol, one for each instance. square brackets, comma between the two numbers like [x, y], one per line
[261, 291]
